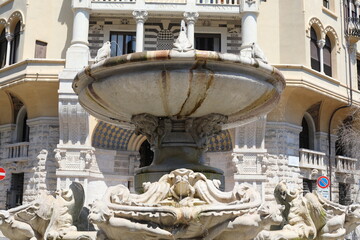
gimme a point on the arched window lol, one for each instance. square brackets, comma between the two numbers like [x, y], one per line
[146, 154]
[165, 40]
[327, 57]
[22, 129]
[314, 51]
[14, 49]
[3, 48]
[307, 135]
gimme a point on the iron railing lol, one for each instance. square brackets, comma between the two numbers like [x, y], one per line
[353, 27]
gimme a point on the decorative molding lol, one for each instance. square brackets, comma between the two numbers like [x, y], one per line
[9, 37]
[43, 120]
[334, 36]
[191, 17]
[321, 43]
[315, 21]
[18, 15]
[140, 16]
[3, 23]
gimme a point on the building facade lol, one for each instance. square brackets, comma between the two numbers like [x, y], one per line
[47, 140]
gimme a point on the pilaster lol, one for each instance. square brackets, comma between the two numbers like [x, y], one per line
[321, 44]
[9, 37]
[140, 18]
[190, 19]
[249, 13]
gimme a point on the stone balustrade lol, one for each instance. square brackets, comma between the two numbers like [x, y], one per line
[114, 1]
[311, 159]
[211, 2]
[18, 151]
[218, 2]
[345, 164]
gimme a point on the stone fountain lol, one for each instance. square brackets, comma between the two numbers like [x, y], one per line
[178, 99]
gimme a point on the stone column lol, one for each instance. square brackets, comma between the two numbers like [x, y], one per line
[190, 19]
[77, 55]
[321, 44]
[73, 154]
[249, 13]
[9, 38]
[140, 18]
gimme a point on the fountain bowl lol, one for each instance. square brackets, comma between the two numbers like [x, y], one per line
[180, 85]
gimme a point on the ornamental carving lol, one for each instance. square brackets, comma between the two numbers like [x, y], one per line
[47, 217]
[183, 205]
[204, 127]
[191, 17]
[311, 217]
[317, 23]
[140, 16]
[334, 36]
[16, 16]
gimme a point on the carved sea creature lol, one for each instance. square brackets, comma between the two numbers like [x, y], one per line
[45, 218]
[103, 52]
[182, 43]
[311, 217]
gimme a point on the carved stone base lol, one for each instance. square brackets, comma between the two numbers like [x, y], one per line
[177, 143]
[155, 176]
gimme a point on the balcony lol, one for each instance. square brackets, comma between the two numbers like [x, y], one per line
[311, 159]
[345, 164]
[16, 152]
[353, 29]
[215, 7]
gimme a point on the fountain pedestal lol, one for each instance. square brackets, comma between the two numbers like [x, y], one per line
[177, 143]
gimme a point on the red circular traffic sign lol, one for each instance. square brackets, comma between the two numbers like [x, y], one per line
[323, 182]
[2, 173]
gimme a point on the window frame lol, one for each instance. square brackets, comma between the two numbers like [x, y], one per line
[124, 33]
[215, 30]
[208, 35]
[15, 43]
[314, 63]
[3, 45]
[328, 47]
[326, 4]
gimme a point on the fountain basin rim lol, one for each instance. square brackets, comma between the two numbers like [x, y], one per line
[172, 59]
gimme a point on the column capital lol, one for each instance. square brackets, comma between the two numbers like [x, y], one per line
[357, 3]
[81, 4]
[9, 37]
[140, 16]
[191, 17]
[321, 43]
[249, 6]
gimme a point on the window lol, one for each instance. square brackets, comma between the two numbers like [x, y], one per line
[307, 135]
[15, 194]
[315, 52]
[358, 72]
[22, 129]
[327, 57]
[304, 135]
[14, 48]
[40, 49]
[165, 40]
[308, 186]
[209, 42]
[122, 43]
[146, 154]
[344, 194]
[3, 48]
[326, 3]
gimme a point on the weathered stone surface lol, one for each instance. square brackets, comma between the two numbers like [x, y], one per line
[47, 217]
[182, 205]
